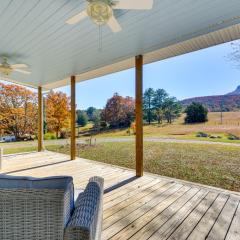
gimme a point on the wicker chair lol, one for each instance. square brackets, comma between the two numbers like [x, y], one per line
[44, 209]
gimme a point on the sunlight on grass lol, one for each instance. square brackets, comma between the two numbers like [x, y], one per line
[179, 130]
[19, 150]
[214, 165]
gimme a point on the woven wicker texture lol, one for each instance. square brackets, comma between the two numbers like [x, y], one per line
[43, 214]
[33, 214]
[86, 221]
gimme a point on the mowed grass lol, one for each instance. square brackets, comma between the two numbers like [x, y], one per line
[213, 165]
[179, 130]
[19, 150]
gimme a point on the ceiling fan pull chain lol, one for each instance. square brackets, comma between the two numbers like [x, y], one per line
[100, 38]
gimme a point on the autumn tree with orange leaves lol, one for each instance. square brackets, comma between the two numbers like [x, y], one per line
[18, 110]
[57, 112]
[119, 111]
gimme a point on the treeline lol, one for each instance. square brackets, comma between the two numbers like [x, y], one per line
[18, 111]
[159, 106]
[223, 103]
[119, 111]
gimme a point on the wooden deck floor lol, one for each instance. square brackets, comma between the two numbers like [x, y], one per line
[151, 207]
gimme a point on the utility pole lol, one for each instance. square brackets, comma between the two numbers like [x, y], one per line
[221, 115]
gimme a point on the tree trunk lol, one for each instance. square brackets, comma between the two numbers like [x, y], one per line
[149, 113]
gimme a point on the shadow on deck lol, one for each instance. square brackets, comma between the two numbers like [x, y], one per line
[151, 207]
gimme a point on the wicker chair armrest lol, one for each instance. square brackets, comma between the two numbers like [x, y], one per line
[86, 221]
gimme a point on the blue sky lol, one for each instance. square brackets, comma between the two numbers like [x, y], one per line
[205, 72]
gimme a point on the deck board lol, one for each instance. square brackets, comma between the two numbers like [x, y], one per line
[174, 222]
[208, 220]
[151, 207]
[223, 222]
[161, 218]
[234, 230]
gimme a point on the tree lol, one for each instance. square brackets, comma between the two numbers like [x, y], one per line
[57, 112]
[103, 116]
[90, 112]
[159, 112]
[172, 109]
[119, 111]
[18, 110]
[196, 113]
[96, 118]
[82, 118]
[159, 98]
[148, 97]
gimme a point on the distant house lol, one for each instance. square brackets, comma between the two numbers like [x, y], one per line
[8, 139]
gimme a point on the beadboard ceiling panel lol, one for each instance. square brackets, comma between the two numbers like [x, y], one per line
[34, 32]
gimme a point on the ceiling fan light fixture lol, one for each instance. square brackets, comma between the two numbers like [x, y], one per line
[6, 70]
[100, 11]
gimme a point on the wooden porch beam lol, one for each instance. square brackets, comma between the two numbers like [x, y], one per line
[73, 118]
[40, 120]
[139, 115]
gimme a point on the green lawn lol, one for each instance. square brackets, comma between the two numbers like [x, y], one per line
[19, 150]
[214, 165]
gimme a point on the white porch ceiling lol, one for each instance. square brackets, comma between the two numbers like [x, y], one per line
[34, 32]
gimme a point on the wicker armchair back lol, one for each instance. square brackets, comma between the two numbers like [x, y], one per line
[43, 209]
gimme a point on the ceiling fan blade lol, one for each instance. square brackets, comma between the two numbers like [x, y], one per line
[114, 25]
[19, 66]
[22, 71]
[133, 4]
[77, 18]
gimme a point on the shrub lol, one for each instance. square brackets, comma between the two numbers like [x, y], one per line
[82, 118]
[202, 134]
[103, 124]
[213, 137]
[233, 137]
[64, 134]
[196, 113]
[49, 136]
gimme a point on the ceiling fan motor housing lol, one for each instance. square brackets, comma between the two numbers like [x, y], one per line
[5, 67]
[100, 11]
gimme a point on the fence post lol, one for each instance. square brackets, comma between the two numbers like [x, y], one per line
[1, 157]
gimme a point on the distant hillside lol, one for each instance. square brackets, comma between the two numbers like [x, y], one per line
[226, 103]
[236, 92]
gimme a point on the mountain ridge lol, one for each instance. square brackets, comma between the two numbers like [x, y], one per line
[216, 103]
[236, 92]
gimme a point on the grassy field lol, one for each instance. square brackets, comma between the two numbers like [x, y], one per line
[214, 165]
[179, 130]
[19, 150]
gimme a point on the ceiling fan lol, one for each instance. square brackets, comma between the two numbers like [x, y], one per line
[102, 11]
[7, 69]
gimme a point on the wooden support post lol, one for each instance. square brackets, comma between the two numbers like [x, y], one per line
[139, 115]
[73, 117]
[40, 120]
